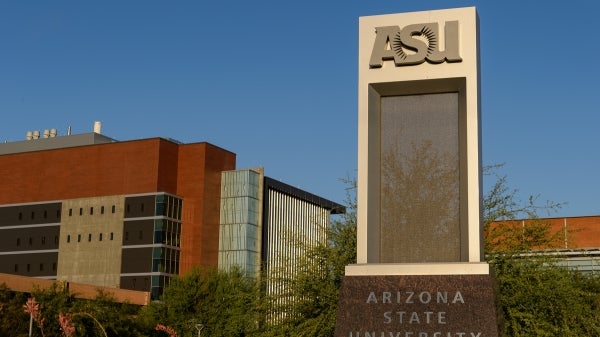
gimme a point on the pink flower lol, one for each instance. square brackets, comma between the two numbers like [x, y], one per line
[32, 308]
[166, 329]
[65, 325]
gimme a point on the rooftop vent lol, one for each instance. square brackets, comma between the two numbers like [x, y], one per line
[98, 127]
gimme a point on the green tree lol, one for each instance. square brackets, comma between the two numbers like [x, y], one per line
[103, 315]
[53, 301]
[501, 206]
[309, 298]
[225, 303]
[13, 320]
[537, 296]
[95, 317]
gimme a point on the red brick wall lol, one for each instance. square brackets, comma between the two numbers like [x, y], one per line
[582, 232]
[573, 232]
[192, 171]
[97, 170]
[199, 180]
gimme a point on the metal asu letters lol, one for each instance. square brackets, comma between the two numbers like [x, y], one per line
[415, 44]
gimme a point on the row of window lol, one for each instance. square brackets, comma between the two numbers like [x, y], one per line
[113, 209]
[32, 215]
[30, 241]
[101, 237]
[101, 210]
[29, 268]
[111, 237]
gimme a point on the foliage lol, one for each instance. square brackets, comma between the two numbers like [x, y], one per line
[63, 315]
[53, 301]
[224, 302]
[501, 207]
[13, 320]
[309, 298]
[539, 298]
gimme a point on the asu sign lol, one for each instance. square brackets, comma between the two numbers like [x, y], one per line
[420, 269]
[415, 44]
[418, 141]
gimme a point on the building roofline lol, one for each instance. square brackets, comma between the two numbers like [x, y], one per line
[80, 140]
[284, 188]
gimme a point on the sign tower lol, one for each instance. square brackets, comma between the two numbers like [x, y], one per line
[420, 269]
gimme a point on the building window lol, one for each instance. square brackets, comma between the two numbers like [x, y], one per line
[41, 267]
[100, 237]
[80, 210]
[102, 210]
[78, 237]
[58, 213]
[141, 235]
[70, 212]
[53, 266]
[112, 236]
[91, 210]
[45, 214]
[56, 239]
[43, 240]
[32, 215]
[20, 216]
[89, 237]
[30, 240]
[16, 268]
[18, 242]
[68, 238]
[114, 208]
[28, 267]
[128, 208]
[142, 207]
[126, 236]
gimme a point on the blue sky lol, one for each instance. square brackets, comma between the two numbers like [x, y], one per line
[276, 83]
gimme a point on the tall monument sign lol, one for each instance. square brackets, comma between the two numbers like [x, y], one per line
[420, 269]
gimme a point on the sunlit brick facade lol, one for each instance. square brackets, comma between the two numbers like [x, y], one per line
[88, 209]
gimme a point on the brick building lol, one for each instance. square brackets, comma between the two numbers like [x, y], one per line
[86, 208]
[577, 240]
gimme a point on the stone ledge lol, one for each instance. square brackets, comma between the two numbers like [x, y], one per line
[451, 268]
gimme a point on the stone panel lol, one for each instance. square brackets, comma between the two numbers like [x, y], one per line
[418, 306]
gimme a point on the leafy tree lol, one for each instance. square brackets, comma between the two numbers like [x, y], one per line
[501, 207]
[98, 317]
[537, 296]
[53, 301]
[13, 320]
[103, 315]
[223, 302]
[309, 298]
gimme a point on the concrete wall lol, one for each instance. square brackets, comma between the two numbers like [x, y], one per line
[91, 242]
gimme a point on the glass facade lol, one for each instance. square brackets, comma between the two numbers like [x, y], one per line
[151, 242]
[167, 239]
[240, 220]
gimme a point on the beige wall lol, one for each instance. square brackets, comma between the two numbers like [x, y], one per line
[96, 261]
[369, 129]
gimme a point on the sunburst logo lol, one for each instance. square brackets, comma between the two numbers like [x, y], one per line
[415, 44]
[430, 39]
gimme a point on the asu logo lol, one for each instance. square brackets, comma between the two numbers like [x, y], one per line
[415, 44]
